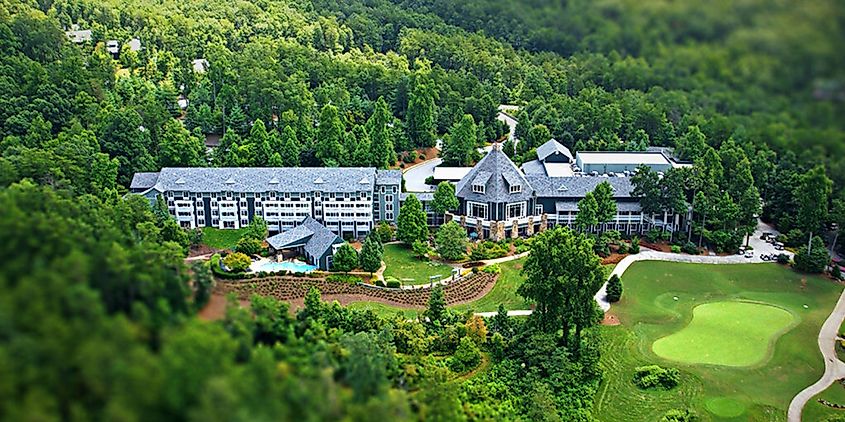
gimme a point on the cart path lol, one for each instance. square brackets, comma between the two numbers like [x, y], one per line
[834, 369]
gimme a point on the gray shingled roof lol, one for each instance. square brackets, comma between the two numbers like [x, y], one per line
[552, 147]
[143, 180]
[533, 167]
[388, 177]
[253, 179]
[497, 165]
[578, 186]
[316, 238]
[572, 205]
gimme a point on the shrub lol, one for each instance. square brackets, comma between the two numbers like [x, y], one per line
[794, 237]
[614, 289]
[394, 284]
[487, 250]
[623, 248]
[690, 248]
[379, 283]
[783, 259]
[602, 247]
[411, 157]
[653, 235]
[236, 262]
[675, 249]
[249, 245]
[492, 269]
[835, 272]
[420, 249]
[813, 262]
[344, 278]
[257, 229]
[656, 377]
[635, 245]
[466, 357]
[430, 180]
[679, 415]
[385, 232]
[195, 236]
[665, 235]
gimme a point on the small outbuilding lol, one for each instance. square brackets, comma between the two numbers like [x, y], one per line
[309, 239]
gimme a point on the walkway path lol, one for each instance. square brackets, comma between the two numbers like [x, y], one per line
[834, 368]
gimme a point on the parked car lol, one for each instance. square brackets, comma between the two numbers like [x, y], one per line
[779, 246]
[749, 254]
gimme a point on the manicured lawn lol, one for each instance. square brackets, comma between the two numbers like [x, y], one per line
[649, 311]
[403, 265]
[815, 411]
[726, 333]
[221, 239]
[503, 292]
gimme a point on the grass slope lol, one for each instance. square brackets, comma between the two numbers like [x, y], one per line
[221, 239]
[503, 292]
[403, 265]
[648, 312]
[815, 411]
[726, 333]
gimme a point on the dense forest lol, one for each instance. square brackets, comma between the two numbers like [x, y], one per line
[98, 310]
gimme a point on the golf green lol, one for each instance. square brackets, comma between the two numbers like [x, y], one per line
[726, 333]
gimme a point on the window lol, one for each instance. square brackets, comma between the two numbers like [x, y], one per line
[515, 210]
[478, 188]
[228, 224]
[516, 188]
[388, 202]
[477, 210]
[538, 209]
[388, 216]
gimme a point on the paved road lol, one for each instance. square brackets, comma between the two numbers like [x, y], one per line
[834, 369]
[509, 120]
[415, 176]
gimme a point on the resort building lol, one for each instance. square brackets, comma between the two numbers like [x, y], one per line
[348, 201]
[498, 200]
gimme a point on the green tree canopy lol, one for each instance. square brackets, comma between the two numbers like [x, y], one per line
[412, 226]
[451, 241]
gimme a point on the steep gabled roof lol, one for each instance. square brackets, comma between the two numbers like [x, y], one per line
[552, 147]
[315, 237]
[497, 173]
[142, 181]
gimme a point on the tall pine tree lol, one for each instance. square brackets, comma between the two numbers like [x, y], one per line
[420, 115]
[382, 153]
[329, 148]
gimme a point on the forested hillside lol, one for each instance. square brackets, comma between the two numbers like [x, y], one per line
[98, 308]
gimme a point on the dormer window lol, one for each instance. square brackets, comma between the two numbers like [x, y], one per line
[478, 188]
[516, 188]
